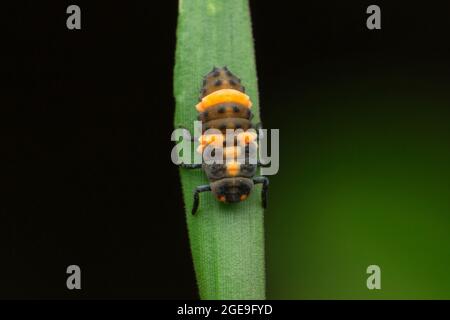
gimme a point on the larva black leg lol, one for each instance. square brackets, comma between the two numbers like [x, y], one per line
[191, 165]
[197, 191]
[265, 188]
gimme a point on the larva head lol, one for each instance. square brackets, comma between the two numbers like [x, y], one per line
[231, 190]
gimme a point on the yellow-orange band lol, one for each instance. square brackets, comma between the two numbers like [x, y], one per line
[222, 96]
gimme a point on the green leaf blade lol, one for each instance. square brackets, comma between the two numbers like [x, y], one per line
[227, 240]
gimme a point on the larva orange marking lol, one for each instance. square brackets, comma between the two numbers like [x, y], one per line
[223, 96]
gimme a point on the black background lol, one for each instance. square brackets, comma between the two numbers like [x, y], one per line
[87, 117]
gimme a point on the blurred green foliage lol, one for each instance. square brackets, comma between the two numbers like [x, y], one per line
[364, 179]
[227, 240]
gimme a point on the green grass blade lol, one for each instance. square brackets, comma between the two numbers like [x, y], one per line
[227, 240]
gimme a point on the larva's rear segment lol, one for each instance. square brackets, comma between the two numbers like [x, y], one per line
[220, 78]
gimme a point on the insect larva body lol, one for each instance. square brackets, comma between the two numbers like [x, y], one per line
[223, 105]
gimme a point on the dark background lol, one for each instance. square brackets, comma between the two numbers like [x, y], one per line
[87, 117]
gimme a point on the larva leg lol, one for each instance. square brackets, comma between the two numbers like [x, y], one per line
[197, 191]
[265, 188]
